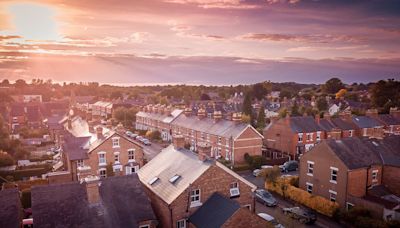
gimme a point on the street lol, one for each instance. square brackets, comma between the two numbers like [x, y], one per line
[276, 212]
[151, 151]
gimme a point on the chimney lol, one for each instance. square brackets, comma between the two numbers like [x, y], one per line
[317, 118]
[217, 115]
[336, 133]
[69, 122]
[120, 128]
[237, 117]
[287, 119]
[99, 132]
[188, 111]
[91, 127]
[203, 151]
[201, 113]
[92, 189]
[372, 113]
[395, 112]
[346, 115]
[178, 141]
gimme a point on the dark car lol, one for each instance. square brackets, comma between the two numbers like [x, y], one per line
[289, 166]
[265, 198]
[303, 215]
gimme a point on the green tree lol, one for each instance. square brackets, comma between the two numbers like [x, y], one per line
[333, 85]
[247, 108]
[322, 104]
[259, 90]
[6, 159]
[261, 119]
[384, 91]
[295, 110]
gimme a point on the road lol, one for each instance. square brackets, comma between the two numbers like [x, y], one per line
[151, 151]
[276, 212]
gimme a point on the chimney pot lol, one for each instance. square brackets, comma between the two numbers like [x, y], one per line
[99, 132]
[203, 151]
[178, 141]
[92, 189]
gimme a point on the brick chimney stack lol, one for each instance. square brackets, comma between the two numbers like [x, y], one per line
[99, 132]
[336, 133]
[346, 115]
[178, 141]
[203, 151]
[201, 113]
[92, 189]
[317, 118]
[188, 111]
[217, 115]
[120, 128]
[237, 117]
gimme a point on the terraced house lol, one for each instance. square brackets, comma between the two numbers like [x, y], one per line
[355, 172]
[179, 182]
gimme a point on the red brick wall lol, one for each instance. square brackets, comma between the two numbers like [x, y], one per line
[372, 168]
[357, 182]
[279, 137]
[246, 219]
[248, 142]
[391, 178]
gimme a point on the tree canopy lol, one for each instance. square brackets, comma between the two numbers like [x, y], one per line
[333, 85]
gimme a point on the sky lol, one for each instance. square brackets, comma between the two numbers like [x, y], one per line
[211, 42]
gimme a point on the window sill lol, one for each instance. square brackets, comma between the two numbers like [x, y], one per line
[310, 174]
[102, 164]
[333, 182]
[195, 204]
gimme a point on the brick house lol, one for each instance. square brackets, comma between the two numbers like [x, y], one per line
[10, 208]
[229, 139]
[349, 170]
[102, 109]
[293, 135]
[110, 202]
[179, 181]
[336, 127]
[390, 121]
[88, 153]
[157, 118]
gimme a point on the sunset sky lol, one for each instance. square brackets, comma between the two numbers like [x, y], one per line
[200, 41]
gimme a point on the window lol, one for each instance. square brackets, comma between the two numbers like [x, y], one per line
[309, 187]
[144, 226]
[195, 198]
[80, 163]
[300, 137]
[350, 133]
[309, 136]
[103, 173]
[248, 206]
[375, 175]
[310, 168]
[234, 189]
[102, 158]
[116, 157]
[174, 179]
[332, 195]
[131, 169]
[115, 142]
[318, 135]
[219, 139]
[334, 173]
[349, 206]
[131, 154]
[154, 180]
[181, 223]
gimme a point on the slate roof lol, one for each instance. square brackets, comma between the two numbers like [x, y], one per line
[125, 201]
[161, 116]
[353, 152]
[388, 149]
[33, 113]
[223, 128]
[214, 212]
[326, 124]
[17, 110]
[365, 122]
[60, 205]
[388, 119]
[170, 162]
[10, 208]
[76, 147]
[304, 124]
[342, 124]
[122, 203]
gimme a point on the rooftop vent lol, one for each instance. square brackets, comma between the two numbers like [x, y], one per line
[154, 180]
[174, 179]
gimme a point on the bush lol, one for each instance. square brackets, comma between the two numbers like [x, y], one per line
[255, 162]
[241, 168]
[283, 187]
[248, 158]
[5, 159]
[154, 135]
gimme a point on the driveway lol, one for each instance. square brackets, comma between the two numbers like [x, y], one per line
[276, 212]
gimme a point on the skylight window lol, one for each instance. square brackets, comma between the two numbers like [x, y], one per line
[154, 180]
[174, 179]
[375, 143]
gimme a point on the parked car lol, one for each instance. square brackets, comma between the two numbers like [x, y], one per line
[265, 198]
[146, 142]
[256, 172]
[271, 220]
[128, 133]
[133, 135]
[289, 166]
[138, 138]
[303, 215]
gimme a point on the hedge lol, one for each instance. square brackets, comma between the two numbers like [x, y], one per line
[283, 187]
[26, 173]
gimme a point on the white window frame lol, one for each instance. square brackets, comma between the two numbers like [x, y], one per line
[334, 194]
[195, 193]
[318, 136]
[234, 189]
[80, 163]
[310, 166]
[181, 223]
[130, 159]
[105, 172]
[365, 131]
[349, 204]
[334, 175]
[101, 162]
[308, 184]
[144, 226]
[300, 137]
[116, 158]
[115, 142]
[351, 133]
[374, 175]
[128, 169]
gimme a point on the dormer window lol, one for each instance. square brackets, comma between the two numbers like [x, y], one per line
[174, 179]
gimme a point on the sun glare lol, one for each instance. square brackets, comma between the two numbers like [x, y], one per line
[34, 21]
